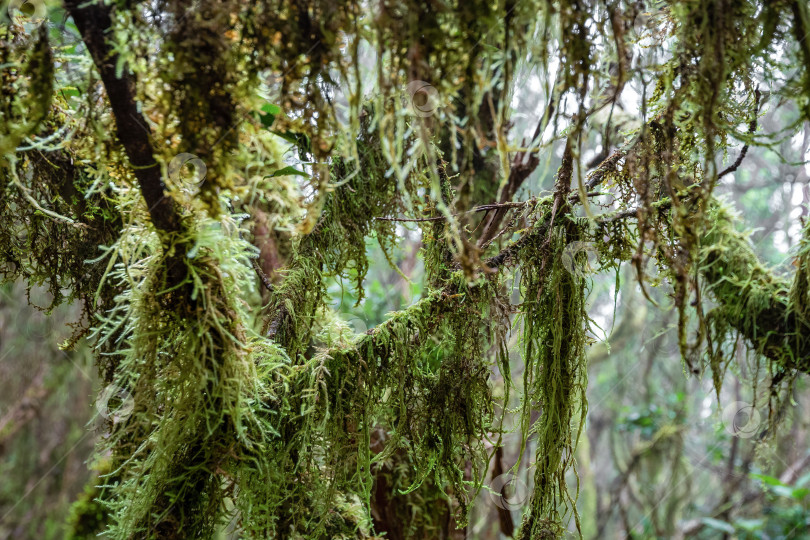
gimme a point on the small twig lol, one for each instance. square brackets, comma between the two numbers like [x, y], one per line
[410, 220]
[481, 208]
[25, 192]
[633, 212]
[607, 165]
[487, 207]
[752, 127]
[262, 276]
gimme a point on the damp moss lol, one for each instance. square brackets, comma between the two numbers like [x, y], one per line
[291, 430]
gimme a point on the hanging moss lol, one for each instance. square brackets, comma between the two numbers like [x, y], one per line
[437, 404]
[192, 375]
[554, 324]
[88, 514]
[292, 431]
[335, 242]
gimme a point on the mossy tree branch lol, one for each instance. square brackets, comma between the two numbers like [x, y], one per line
[94, 21]
[284, 451]
[752, 299]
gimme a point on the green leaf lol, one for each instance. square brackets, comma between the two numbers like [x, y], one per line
[268, 114]
[768, 480]
[289, 170]
[300, 140]
[801, 482]
[70, 91]
[718, 525]
[750, 525]
[800, 493]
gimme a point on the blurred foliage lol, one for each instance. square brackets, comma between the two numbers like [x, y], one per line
[46, 398]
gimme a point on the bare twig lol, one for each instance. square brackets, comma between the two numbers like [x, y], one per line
[523, 165]
[752, 127]
[486, 207]
[262, 276]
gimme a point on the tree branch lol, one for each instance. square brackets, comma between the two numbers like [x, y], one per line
[485, 208]
[94, 21]
[523, 166]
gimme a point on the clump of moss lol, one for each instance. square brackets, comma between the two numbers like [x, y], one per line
[750, 297]
[335, 245]
[192, 375]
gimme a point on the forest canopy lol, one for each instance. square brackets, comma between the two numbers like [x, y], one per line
[198, 179]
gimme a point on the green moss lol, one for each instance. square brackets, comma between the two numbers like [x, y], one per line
[753, 302]
[554, 324]
[277, 431]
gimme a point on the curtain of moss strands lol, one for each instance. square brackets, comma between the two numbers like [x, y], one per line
[554, 324]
